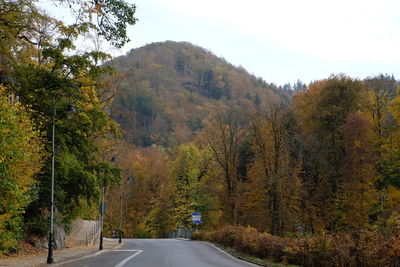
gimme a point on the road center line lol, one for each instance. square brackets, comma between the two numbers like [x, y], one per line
[122, 263]
[166, 257]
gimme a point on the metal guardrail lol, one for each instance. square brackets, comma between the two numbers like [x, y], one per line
[180, 233]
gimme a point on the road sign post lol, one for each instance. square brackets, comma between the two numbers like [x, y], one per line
[196, 219]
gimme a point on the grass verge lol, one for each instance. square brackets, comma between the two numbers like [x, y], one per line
[252, 259]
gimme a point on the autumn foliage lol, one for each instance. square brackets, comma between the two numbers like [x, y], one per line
[42, 75]
[358, 248]
[314, 180]
[21, 158]
[311, 171]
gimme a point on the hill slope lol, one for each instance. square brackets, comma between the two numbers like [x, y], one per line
[171, 88]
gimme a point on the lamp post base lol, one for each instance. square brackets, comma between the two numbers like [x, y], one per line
[50, 255]
[101, 241]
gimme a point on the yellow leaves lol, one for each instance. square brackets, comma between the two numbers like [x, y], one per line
[169, 111]
[21, 157]
[155, 67]
[395, 110]
[306, 104]
[98, 8]
[394, 250]
[357, 144]
[393, 197]
[88, 97]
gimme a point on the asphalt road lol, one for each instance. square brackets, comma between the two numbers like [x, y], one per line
[161, 253]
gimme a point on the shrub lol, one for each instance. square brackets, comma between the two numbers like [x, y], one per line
[361, 247]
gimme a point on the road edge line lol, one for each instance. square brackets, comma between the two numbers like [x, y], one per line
[234, 256]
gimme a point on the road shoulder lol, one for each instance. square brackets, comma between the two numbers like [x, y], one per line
[61, 256]
[237, 255]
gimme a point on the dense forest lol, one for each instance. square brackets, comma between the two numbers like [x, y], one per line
[169, 89]
[303, 174]
[298, 160]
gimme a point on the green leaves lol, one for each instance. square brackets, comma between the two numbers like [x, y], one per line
[39, 63]
[109, 18]
[21, 158]
[186, 173]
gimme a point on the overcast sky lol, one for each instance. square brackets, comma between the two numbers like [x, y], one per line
[281, 40]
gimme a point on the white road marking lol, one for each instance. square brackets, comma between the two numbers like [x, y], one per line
[126, 250]
[122, 263]
[88, 256]
[166, 257]
[226, 253]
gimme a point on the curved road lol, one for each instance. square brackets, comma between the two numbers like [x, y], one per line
[161, 253]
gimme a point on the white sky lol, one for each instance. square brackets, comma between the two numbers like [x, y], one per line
[281, 40]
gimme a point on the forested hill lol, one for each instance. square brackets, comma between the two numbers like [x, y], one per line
[169, 90]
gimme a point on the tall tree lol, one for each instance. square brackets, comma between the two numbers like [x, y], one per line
[357, 195]
[279, 175]
[224, 135]
[189, 170]
[323, 109]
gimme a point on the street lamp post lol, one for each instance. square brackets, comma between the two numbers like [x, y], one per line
[121, 205]
[53, 154]
[70, 111]
[102, 211]
[102, 217]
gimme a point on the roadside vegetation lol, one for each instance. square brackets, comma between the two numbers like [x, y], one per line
[299, 174]
[361, 248]
[42, 70]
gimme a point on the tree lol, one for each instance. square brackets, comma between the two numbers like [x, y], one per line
[189, 169]
[21, 26]
[148, 202]
[109, 18]
[322, 110]
[382, 89]
[21, 158]
[273, 170]
[389, 159]
[186, 172]
[357, 195]
[224, 136]
[42, 67]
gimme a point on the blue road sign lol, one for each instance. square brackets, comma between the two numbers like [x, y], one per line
[196, 217]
